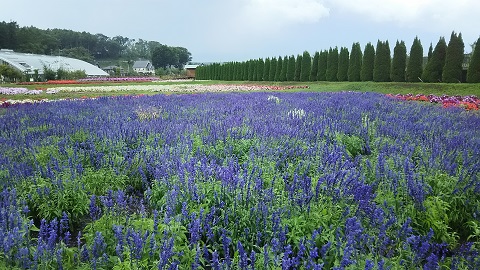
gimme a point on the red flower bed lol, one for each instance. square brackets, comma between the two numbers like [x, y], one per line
[467, 102]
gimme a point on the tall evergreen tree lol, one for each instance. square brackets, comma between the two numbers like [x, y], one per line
[473, 73]
[260, 68]
[368, 63]
[306, 67]
[332, 65]
[434, 68]
[343, 58]
[355, 63]
[283, 71]
[382, 64]
[278, 69]
[266, 69]
[430, 52]
[415, 62]
[399, 62]
[273, 69]
[322, 66]
[314, 70]
[298, 67]
[452, 71]
[291, 68]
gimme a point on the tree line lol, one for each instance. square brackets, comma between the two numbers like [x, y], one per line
[86, 46]
[444, 63]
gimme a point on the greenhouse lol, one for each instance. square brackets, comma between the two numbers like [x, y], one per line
[28, 63]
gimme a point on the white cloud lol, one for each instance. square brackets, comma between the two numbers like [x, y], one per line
[410, 12]
[285, 11]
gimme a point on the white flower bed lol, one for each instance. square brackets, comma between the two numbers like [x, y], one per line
[190, 88]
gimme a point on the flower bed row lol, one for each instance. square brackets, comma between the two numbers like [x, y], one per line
[189, 88]
[25, 91]
[468, 102]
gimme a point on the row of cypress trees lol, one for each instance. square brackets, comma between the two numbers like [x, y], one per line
[444, 64]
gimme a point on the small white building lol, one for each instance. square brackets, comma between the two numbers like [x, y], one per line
[144, 67]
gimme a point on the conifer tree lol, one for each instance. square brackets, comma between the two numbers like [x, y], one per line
[260, 68]
[430, 52]
[255, 66]
[355, 63]
[332, 65]
[314, 70]
[381, 69]
[298, 67]
[399, 62]
[322, 66]
[278, 69]
[343, 58]
[291, 68]
[434, 68]
[283, 71]
[245, 70]
[415, 62]
[306, 67]
[473, 73]
[266, 69]
[368, 63]
[452, 71]
[273, 69]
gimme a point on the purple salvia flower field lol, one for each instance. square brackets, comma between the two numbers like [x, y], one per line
[258, 180]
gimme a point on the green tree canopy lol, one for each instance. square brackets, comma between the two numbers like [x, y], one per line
[314, 70]
[278, 69]
[415, 62]
[332, 65]
[368, 63]
[399, 62]
[452, 71]
[291, 68]
[306, 67]
[434, 68]
[473, 73]
[273, 69]
[343, 58]
[322, 66]
[381, 69]
[298, 67]
[164, 56]
[355, 63]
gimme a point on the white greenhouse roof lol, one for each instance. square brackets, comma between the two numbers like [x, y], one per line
[27, 62]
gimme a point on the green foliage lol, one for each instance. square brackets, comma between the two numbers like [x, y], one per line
[382, 64]
[273, 69]
[452, 71]
[322, 66]
[314, 70]
[306, 67]
[49, 198]
[368, 63]
[283, 72]
[164, 56]
[298, 68]
[278, 69]
[473, 73]
[332, 65]
[355, 63]
[353, 144]
[434, 68]
[266, 70]
[291, 68]
[399, 62]
[260, 68]
[343, 62]
[415, 62]
[100, 181]
[10, 74]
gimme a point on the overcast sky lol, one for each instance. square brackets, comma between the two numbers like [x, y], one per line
[239, 30]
